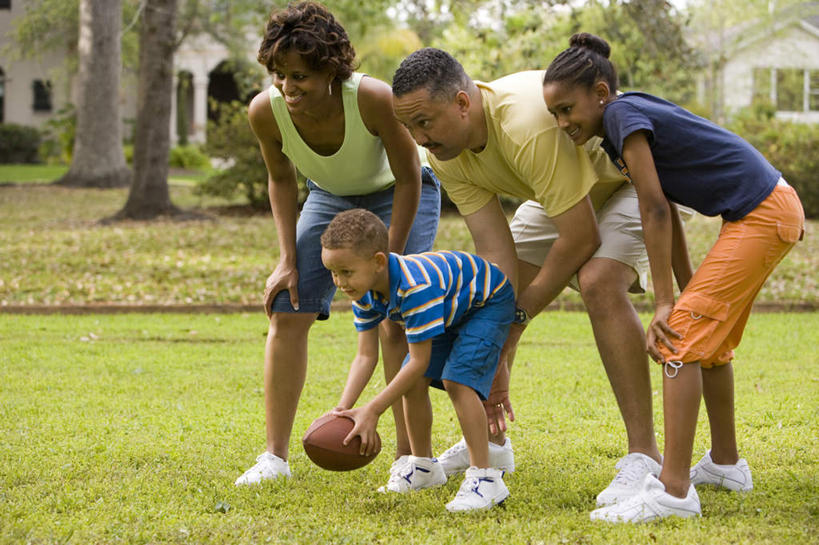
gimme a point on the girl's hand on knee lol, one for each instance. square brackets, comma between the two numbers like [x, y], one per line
[660, 332]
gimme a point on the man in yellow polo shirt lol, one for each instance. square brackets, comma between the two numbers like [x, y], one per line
[579, 226]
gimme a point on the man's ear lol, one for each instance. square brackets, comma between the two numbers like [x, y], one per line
[463, 101]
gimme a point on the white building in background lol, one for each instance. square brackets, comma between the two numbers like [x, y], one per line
[32, 91]
[29, 90]
[776, 63]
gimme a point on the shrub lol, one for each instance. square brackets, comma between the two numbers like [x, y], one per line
[188, 157]
[19, 144]
[231, 140]
[58, 136]
[789, 146]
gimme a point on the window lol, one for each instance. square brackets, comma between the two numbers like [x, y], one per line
[2, 95]
[5, 4]
[790, 89]
[42, 95]
[813, 90]
[789, 83]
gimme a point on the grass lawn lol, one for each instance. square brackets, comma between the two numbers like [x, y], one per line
[53, 251]
[132, 428]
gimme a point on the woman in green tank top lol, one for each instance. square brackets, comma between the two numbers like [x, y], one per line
[338, 129]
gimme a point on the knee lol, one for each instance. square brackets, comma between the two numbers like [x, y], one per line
[289, 325]
[600, 285]
[456, 389]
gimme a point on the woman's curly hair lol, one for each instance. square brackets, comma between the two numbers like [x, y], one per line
[309, 29]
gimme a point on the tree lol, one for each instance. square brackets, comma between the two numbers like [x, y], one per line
[149, 196]
[98, 159]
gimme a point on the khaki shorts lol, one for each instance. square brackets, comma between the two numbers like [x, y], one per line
[712, 311]
[621, 234]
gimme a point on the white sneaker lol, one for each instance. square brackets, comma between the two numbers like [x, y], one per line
[268, 466]
[395, 474]
[481, 489]
[736, 477]
[650, 503]
[456, 458]
[416, 473]
[628, 481]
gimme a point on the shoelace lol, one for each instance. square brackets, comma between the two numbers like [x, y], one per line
[469, 486]
[629, 473]
[452, 451]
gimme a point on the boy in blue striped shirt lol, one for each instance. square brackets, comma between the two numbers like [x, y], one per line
[456, 309]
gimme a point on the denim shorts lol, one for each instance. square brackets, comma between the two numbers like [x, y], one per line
[468, 353]
[316, 288]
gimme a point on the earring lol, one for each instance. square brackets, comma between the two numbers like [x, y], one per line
[330, 88]
[601, 101]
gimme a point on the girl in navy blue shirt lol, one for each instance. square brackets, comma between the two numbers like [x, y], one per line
[675, 157]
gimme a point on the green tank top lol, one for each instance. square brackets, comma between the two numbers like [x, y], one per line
[360, 165]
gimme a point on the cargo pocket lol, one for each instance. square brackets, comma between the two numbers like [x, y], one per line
[704, 315]
[789, 233]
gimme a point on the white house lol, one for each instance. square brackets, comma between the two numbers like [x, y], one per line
[33, 90]
[776, 62]
[30, 90]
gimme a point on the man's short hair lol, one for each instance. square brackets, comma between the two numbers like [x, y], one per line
[432, 69]
[357, 229]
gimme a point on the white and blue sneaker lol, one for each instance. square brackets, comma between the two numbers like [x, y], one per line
[482, 489]
[410, 473]
[268, 466]
[455, 459]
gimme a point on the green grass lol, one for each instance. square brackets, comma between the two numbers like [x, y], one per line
[53, 251]
[132, 428]
[43, 174]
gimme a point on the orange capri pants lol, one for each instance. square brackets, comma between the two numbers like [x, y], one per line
[713, 309]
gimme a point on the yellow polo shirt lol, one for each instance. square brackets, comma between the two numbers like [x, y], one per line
[526, 155]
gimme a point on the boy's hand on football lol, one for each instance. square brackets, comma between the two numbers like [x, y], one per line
[366, 422]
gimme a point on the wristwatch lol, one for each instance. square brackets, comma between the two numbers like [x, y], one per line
[521, 317]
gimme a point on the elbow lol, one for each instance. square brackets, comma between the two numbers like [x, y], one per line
[655, 213]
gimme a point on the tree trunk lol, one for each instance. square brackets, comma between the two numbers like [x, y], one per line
[149, 197]
[98, 159]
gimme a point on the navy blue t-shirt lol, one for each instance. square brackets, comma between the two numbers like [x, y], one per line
[699, 164]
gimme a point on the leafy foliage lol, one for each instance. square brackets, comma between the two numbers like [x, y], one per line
[232, 141]
[188, 157]
[789, 146]
[19, 144]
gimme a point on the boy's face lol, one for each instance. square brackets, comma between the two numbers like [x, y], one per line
[353, 273]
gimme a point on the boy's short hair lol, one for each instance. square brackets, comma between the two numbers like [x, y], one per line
[357, 229]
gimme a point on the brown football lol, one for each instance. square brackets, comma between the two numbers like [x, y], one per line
[323, 444]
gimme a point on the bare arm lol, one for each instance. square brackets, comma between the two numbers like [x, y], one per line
[361, 369]
[375, 103]
[656, 217]
[283, 193]
[680, 259]
[493, 240]
[578, 239]
[366, 417]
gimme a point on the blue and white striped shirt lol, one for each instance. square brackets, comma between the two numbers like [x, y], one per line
[430, 292]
